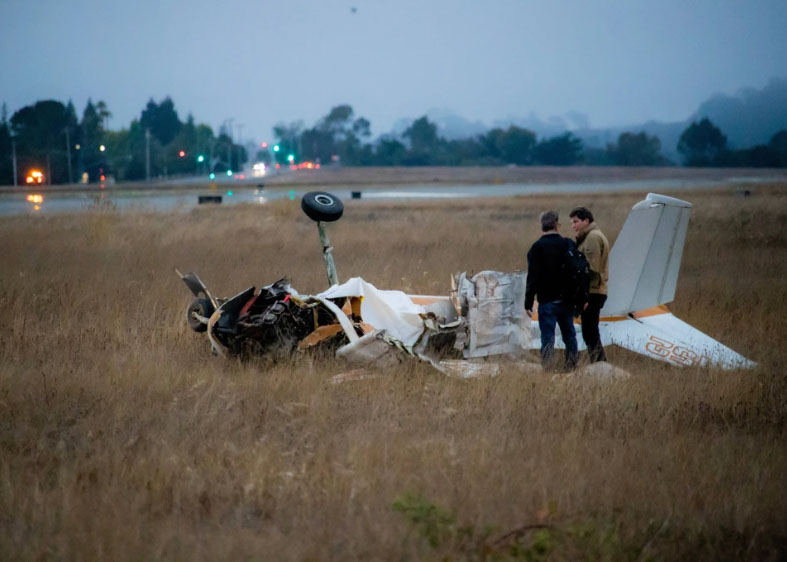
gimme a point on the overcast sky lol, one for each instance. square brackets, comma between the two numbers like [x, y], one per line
[261, 62]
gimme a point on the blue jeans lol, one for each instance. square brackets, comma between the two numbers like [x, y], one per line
[549, 314]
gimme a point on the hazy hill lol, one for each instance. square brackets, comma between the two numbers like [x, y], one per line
[748, 118]
[751, 116]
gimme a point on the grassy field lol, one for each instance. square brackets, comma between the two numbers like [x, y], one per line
[121, 438]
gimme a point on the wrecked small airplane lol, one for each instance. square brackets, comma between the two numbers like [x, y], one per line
[483, 316]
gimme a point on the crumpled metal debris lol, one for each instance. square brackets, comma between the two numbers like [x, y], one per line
[493, 304]
[369, 327]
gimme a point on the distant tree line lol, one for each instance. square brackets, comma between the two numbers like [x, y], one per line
[703, 144]
[340, 137]
[48, 135]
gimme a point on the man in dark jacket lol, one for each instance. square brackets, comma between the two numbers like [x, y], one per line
[545, 282]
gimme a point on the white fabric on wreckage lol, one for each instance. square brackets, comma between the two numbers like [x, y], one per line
[392, 311]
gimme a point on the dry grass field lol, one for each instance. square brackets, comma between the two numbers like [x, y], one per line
[121, 438]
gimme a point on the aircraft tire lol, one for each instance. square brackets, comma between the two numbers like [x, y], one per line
[203, 307]
[322, 207]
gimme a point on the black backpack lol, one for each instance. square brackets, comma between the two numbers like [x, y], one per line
[576, 278]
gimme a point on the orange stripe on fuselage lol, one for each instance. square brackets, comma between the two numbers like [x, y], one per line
[644, 313]
[424, 300]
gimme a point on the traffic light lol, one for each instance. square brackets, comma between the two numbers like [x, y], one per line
[275, 148]
[200, 158]
[291, 157]
[182, 153]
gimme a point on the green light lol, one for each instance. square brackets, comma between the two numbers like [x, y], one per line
[291, 157]
[200, 158]
[212, 176]
[275, 148]
[229, 194]
[229, 173]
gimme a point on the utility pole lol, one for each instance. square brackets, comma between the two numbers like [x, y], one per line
[240, 143]
[147, 154]
[13, 156]
[229, 150]
[68, 152]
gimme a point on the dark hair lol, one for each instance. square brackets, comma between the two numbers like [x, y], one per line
[548, 220]
[581, 213]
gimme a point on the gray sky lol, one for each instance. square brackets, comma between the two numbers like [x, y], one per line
[262, 62]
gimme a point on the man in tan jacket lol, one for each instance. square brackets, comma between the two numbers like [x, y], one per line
[594, 245]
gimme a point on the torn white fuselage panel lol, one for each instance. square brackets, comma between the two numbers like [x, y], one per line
[492, 304]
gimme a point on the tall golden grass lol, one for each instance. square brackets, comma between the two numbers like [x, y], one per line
[121, 438]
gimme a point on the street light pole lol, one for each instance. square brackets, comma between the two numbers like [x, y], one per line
[229, 150]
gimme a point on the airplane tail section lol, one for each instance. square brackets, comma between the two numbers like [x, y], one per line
[645, 260]
[660, 335]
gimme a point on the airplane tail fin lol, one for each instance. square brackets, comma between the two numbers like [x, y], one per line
[645, 260]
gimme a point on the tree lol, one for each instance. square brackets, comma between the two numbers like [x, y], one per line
[73, 138]
[778, 145]
[39, 130]
[362, 128]
[463, 152]
[338, 120]
[701, 144]
[227, 155]
[490, 145]
[91, 158]
[136, 165]
[103, 114]
[6, 165]
[422, 135]
[516, 145]
[562, 150]
[390, 152]
[336, 134]
[162, 120]
[288, 136]
[317, 144]
[636, 150]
